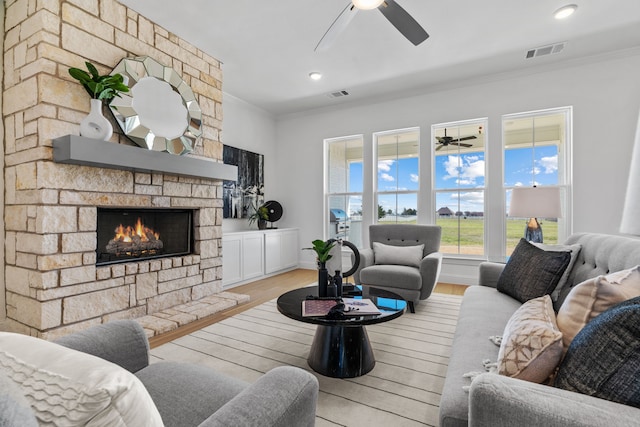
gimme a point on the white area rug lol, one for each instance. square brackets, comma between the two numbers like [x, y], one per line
[403, 389]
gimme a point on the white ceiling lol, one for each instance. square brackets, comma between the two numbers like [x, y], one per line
[267, 46]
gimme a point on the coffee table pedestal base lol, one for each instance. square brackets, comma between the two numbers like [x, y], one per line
[341, 351]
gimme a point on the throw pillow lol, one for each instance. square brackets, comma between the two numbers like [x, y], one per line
[14, 407]
[532, 272]
[574, 250]
[68, 388]
[604, 358]
[398, 255]
[594, 296]
[531, 345]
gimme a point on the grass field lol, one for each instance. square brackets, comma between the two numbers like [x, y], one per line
[472, 232]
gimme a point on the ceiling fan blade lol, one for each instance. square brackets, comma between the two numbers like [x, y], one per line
[460, 144]
[404, 22]
[338, 26]
[439, 147]
[466, 138]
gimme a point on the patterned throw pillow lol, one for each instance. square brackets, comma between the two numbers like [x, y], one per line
[532, 272]
[594, 296]
[531, 345]
[604, 358]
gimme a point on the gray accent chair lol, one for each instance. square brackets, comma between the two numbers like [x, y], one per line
[194, 395]
[412, 284]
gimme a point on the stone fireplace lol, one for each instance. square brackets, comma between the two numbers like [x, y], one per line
[56, 278]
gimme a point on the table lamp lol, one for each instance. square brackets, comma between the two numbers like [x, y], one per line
[533, 203]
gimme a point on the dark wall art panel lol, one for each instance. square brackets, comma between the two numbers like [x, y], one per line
[239, 196]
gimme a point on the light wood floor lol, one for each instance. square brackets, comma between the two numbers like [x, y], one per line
[265, 290]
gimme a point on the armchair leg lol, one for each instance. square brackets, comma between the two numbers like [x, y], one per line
[412, 309]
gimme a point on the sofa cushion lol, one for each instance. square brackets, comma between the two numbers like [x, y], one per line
[532, 272]
[594, 296]
[397, 255]
[603, 360]
[574, 250]
[14, 407]
[531, 343]
[70, 388]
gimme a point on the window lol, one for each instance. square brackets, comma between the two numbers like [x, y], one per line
[536, 152]
[459, 185]
[398, 180]
[344, 188]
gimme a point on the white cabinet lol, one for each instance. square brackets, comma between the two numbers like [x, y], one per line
[252, 255]
[280, 250]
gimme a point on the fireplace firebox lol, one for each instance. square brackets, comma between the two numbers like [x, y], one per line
[126, 234]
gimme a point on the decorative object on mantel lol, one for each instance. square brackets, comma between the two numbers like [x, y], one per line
[322, 250]
[274, 212]
[161, 113]
[260, 214]
[103, 89]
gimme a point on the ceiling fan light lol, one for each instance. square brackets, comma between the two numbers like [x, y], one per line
[366, 4]
[565, 11]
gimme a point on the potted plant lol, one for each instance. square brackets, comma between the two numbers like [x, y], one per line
[102, 90]
[322, 250]
[260, 214]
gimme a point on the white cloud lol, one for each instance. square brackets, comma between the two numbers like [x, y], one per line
[385, 165]
[386, 177]
[549, 164]
[414, 177]
[464, 169]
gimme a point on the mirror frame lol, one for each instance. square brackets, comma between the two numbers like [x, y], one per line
[133, 70]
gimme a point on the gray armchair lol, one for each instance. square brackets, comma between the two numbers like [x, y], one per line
[411, 277]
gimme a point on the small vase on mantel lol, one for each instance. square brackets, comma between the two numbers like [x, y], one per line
[95, 125]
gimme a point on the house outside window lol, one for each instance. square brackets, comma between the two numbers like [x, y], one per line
[459, 171]
[344, 186]
[537, 148]
[397, 175]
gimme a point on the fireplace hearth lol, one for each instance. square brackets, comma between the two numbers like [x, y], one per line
[126, 234]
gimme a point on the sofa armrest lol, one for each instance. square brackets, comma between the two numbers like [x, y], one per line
[430, 271]
[283, 397]
[500, 401]
[366, 259]
[490, 273]
[122, 342]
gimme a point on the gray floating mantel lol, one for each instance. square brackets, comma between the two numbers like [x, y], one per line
[78, 150]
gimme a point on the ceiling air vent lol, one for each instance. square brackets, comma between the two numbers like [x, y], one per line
[338, 94]
[545, 50]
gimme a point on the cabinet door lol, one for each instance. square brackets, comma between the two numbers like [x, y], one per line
[231, 260]
[252, 255]
[290, 249]
[272, 252]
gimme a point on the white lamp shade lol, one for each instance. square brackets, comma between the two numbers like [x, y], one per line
[535, 202]
[367, 4]
[631, 213]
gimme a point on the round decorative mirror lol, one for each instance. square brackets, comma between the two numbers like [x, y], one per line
[160, 112]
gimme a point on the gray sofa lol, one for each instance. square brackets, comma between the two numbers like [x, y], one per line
[495, 400]
[188, 394]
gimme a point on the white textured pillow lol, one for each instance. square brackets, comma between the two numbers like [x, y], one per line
[593, 297]
[531, 346]
[398, 255]
[68, 388]
[574, 250]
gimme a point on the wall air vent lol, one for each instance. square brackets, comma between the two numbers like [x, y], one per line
[338, 94]
[545, 50]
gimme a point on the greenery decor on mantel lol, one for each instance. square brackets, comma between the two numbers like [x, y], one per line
[102, 90]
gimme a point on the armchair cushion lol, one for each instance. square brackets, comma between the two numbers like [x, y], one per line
[67, 387]
[398, 255]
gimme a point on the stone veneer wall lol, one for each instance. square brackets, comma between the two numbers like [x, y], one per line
[53, 286]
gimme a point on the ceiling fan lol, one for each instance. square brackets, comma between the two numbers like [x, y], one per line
[391, 10]
[445, 140]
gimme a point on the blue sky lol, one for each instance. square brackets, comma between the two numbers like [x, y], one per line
[461, 174]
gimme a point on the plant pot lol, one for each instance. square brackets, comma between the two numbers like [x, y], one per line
[262, 224]
[323, 279]
[95, 125]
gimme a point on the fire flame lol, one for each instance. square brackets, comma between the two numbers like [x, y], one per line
[128, 233]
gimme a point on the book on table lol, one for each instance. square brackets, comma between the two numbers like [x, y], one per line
[352, 307]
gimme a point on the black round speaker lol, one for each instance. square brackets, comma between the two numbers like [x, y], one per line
[274, 210]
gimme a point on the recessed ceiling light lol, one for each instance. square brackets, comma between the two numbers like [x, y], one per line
[315, 75]
[565, 11]
[367, 4]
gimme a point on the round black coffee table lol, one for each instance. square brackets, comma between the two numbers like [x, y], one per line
[341, 347]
